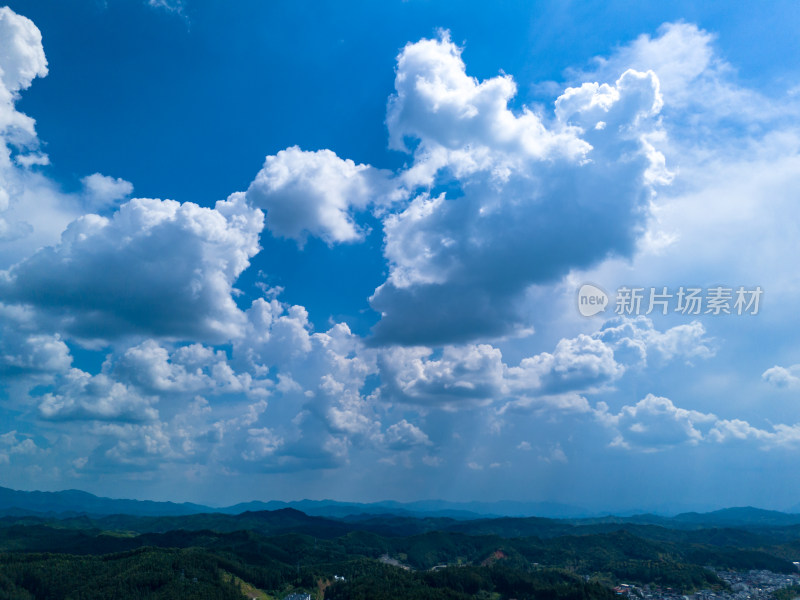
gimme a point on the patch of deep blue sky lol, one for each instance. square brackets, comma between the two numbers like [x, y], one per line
[187, 107]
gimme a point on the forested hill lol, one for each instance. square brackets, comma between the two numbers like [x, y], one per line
[64, 545]
[215, 556]
[44, 560]
[293, 521]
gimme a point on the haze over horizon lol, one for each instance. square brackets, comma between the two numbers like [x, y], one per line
[79, 501]
[248, 254]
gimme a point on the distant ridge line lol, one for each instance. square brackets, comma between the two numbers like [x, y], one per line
[77, 502]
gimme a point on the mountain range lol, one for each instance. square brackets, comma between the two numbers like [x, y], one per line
[76, 503]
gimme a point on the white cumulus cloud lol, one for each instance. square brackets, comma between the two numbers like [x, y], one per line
[154, 267]
[782, 377]
[102, 191]
[317, 193]
[538, 197]
[81, 396]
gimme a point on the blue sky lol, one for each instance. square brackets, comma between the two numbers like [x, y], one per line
[265, 250]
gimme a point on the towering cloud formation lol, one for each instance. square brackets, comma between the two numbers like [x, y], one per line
[537, 198]
[22, 60]
[535, 195]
